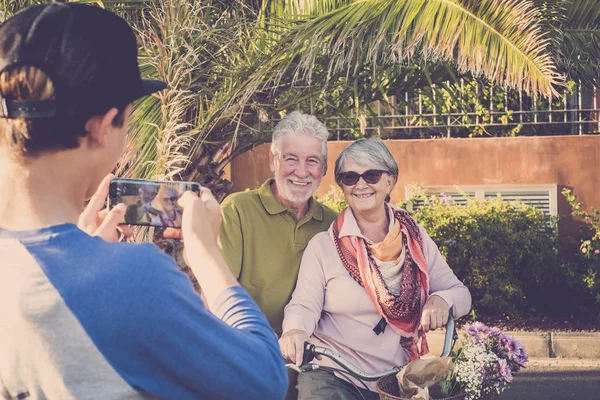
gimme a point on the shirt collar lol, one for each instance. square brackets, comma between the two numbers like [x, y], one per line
[274, 207]
[315, 210]
[350, 227]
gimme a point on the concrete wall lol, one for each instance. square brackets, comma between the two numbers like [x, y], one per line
[569, 161]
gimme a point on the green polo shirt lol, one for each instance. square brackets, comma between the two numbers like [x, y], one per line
[263, 243]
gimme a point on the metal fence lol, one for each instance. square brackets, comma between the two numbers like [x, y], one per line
[488, 111]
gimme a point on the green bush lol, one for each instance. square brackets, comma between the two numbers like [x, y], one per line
[504, 252]
[584, 272]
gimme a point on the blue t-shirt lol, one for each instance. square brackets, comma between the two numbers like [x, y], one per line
[84, 318]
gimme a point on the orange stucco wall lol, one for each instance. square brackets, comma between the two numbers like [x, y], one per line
[569, 161]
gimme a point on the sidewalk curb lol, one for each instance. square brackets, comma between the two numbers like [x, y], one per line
[563, 364]
[582, 345]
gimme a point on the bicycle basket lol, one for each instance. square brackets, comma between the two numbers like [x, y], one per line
[388, 389]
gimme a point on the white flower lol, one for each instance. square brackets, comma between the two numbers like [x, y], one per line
[487, 361]
[471, 366]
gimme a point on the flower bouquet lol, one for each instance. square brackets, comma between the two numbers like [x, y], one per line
[485, 364]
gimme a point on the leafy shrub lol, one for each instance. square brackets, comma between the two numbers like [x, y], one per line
[584, 273]
[504, 252]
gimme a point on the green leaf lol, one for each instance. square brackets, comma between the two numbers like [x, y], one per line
[500, 40]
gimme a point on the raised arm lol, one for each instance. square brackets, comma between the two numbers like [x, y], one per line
[302, 313]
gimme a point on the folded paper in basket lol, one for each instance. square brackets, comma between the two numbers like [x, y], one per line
[416, 378]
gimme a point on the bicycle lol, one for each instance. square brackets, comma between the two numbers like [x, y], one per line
[311, 350]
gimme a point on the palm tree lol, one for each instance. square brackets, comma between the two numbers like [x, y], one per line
[233, 66]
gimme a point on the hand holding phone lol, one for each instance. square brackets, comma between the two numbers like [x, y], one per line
[150, 203]
[199, 227]
[104, 223]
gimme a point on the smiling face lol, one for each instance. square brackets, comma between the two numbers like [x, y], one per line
[298, 167]
[365, 197]
[168, 199]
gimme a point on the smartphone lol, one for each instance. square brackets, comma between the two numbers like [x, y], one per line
[150, 203]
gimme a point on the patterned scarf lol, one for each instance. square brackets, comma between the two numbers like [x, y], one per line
[402, 312]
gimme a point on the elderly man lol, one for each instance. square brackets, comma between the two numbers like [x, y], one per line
[142, 211]
[265, 231]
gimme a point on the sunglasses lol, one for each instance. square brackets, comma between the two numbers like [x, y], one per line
[173, 199]
[371, 176]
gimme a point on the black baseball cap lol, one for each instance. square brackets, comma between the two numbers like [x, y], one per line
[89, 54]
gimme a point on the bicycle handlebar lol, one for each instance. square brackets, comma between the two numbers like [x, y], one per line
[310, 350]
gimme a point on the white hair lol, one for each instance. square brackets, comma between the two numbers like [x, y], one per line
[302, 124]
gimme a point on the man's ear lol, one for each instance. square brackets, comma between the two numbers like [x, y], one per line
[324, 168]
[272, 162]
[100, 126]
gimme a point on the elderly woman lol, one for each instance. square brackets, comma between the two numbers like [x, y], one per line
[166, 205]
[370, 286]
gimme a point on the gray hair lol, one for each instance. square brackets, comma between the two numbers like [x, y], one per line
[368, 153]
[298, 123]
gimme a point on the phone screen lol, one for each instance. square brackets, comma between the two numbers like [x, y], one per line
[150, 203]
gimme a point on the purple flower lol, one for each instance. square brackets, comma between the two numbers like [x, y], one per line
[494, 331]
[493, 357]
[505, 371]
[471, 330]
[516, 354]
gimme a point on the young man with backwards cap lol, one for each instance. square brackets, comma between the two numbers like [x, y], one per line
[80, 317]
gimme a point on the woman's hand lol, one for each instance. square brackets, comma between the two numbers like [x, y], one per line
[435, 314]
[292, 345]
[98, 221]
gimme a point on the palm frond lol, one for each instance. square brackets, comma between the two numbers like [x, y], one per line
[579, 51]
[293, 9]
[501, 40]
[161, 131]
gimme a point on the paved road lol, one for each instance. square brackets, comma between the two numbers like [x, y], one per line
[556, 380]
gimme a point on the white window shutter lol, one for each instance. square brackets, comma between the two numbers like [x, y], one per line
[544, 197]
